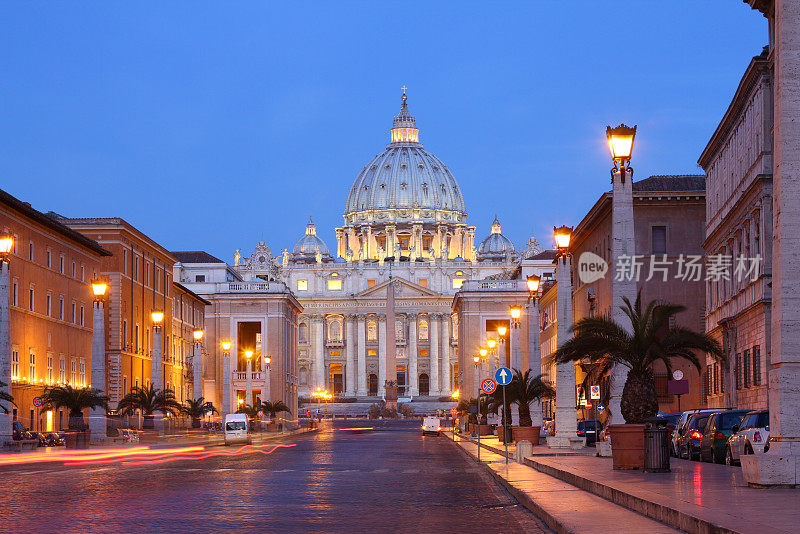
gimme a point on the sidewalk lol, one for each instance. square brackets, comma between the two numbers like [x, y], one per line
[563, 507]
[693, 497]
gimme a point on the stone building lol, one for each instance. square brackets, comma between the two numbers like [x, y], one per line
[51, 267]
[738, 165]
[189, 312]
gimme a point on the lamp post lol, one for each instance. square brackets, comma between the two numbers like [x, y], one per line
[620, 144]
[266, 392]
[6, 245]
[97, 415]
[534, 352]
[516, 353]
[491, 344]
[197, 364]
[566, 414]
[226, 377]
[248, 354]
[157, 368]
[476, 426]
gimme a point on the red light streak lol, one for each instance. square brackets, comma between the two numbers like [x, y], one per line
[200, 456]
[354, 429]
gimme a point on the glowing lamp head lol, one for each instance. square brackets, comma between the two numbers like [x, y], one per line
[456, 394]
[562, 235]
[476, 359]
[6, 243]
[99, 288]
[226, 346]
[533, 282]
[248, 354]
[491, 343]
[267, 360]
[501, 330]
[620, 142]
[198, 335]
[157, 316]
[515, 311]
[483, 352]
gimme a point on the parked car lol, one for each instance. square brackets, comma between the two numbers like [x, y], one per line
[715, 436]
[40, 438]
[691, 435]
[590, 429]
[672, 420]
[683, 420]
[20, 432]
[54, 439]
[749, 438]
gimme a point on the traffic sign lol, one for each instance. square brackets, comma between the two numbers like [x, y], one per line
[594, 392]
[488, 386]
[260, 414]
[452, 411]
[37, 401]
[588, 404]
[503, 376]
[601, 407]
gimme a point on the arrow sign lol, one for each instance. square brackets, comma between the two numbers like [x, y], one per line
[600, 407]
[503, 376]
[488, 386]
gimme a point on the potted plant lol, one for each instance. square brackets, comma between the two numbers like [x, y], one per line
[76, 400]
[651, 339]
[273, 408]
[149, 400]
[251, 411]
[524, 389]
[195, 409]
[484, 427]
[495, 405]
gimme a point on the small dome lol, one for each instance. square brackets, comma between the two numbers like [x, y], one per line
[310, 246]
[496, 246]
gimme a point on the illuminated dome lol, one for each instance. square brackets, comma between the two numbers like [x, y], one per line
[496, 246]
[310, 246]
[405, 183]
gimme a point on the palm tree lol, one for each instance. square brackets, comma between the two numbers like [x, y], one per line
[251, 411]
[524, 389]
[5, 397]
[75, 400]
[149, 400]
[196, 409]
[603, 341]
[273, 408]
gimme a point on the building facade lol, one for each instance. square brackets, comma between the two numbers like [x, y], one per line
[738, 164]
[51, 268]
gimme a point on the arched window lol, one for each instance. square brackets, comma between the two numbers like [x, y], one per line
[424, 385]
[303, 376]
[372, 331]
[423, 330]
[373, 385]
[335, 331]
[303, 332]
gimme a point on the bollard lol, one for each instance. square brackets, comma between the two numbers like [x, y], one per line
[524, 449]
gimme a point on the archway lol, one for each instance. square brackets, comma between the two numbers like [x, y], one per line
[424, 385]
[373, 385]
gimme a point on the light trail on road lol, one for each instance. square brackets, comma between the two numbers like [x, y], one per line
[247, 449]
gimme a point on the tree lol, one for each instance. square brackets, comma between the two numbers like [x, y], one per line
[6, 397]
[605, 342]
[149, 400]
[273, 408]
[196, 409]
[75, 400]
[524, 389]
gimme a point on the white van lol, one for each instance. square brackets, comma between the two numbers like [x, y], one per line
[432, 425]
[236, 430]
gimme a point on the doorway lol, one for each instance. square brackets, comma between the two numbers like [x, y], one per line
[424, 385]
[335, 378]
[373, 385]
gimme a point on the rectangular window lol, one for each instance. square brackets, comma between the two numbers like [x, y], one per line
[30, 251]
[136, 339]
[738, 371]
[61, 264]
[32, 366]
[49, 368]
[125, 261]
[746, 370]
[707, 381]
[30, 298]
[82, 316]
[715, 373]
[124, 335]
[757, 234]
[458, 282]
[74, 270]
[61, 308]
[49, 304]
[14, 363]
[49, 259]
[423, 282]
[82, 373]
[136, 268]
[370, 283]
[73, 372]
[334, 285]
[74, 313]
[757, 365]
[302, 285]
[15, 294]
[200, 278]
[659, 236]
[62, 369]
[83, 273]
[146, 275]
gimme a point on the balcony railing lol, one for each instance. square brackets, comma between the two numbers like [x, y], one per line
[242, 376]
[494, 285]
[251, 287]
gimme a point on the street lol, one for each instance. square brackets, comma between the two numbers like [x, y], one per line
[335, 480]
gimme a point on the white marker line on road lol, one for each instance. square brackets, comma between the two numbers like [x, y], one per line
[381, 471]
[410, 471]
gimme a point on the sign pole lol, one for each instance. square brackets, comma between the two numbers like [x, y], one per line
[505, 416]
[478, 419]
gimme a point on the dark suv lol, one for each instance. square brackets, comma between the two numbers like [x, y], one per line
[590, 430]
[691, 436]
[715, 436]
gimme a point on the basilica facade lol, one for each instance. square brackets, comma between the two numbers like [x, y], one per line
[405, 225]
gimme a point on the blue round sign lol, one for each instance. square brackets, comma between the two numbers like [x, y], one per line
[503, 376]
[601, 407]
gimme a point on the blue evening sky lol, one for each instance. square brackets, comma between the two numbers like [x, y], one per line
[212, 125]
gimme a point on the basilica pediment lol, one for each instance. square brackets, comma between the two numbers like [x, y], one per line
[402, 289]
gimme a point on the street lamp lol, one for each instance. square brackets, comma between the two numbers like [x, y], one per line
[226, 377]
[197, 364]
[620, 143]
[99, 288]
[157, 317]
[516, 313]
[501, 331]
[97, 415]
[226, 347]
[562, 236]
[157, 366]
[248, 354]
[266, 392]
[533, 282]
[198, 335]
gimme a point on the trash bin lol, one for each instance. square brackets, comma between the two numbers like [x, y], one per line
[656, 445]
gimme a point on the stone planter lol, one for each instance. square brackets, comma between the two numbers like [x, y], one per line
[627, 446]
[76, 439]
[272, 427]
[501, 433]
[527, 433]
[486, 430]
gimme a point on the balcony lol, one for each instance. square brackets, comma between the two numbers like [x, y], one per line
[494, 285]
[251, 287]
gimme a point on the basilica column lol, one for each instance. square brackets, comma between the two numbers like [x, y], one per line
[413, 377]
[446, 354]
[319, 350]
[381, 354]
[434, 354]
[350, 348]
[361, 372]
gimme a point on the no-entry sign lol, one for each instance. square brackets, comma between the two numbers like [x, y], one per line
[488, 386]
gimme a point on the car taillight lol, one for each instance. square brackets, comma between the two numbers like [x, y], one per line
[440, 428]
[580, 432]
[719, 435]
[696, 435]
[757, 436]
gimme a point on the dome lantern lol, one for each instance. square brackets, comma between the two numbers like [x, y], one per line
[404, 128]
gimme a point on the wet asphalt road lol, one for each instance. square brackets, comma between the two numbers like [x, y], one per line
[387, 480]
